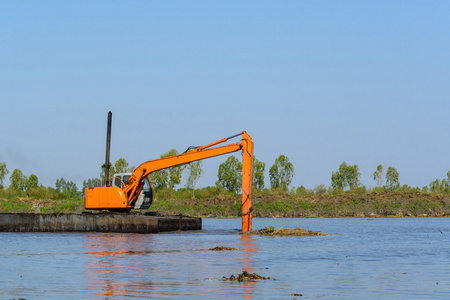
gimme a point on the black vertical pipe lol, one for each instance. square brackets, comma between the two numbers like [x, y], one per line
[108, 146]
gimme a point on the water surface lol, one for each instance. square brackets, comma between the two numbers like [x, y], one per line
[364, 259]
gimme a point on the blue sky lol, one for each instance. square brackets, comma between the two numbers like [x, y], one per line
[322, 82]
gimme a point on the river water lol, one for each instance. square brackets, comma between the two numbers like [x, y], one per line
[382, 258]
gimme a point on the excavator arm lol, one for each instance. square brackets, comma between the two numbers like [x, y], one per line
[108, 197]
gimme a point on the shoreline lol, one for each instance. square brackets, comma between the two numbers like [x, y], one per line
[345, 205]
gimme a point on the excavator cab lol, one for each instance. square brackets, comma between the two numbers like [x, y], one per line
[145, 198]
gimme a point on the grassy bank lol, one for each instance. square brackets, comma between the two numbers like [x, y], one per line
[39, 200]
[266, 205]
[382, 204]
[27, 205]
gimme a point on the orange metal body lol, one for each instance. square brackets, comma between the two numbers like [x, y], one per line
[115, 198]
[106, 196]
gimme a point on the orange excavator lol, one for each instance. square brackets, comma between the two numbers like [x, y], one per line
[114, 198]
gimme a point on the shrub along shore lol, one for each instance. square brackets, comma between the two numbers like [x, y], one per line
[212, 203]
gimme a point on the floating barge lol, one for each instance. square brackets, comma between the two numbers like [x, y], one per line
[96, 222]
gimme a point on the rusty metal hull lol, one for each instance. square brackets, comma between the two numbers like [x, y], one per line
[102, 222]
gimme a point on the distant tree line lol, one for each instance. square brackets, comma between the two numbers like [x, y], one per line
[21, 185]
[348, 177]
[229, 178]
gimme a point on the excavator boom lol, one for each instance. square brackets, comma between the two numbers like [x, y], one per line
[110, 198]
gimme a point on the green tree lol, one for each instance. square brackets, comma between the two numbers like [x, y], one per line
[3, 172]
[60, 184]
[439, 186]
[346, 176]
[320, 189]
[18, 180]
[281, 173]
[167, 178]
[301, 190]
[121, 166]
[258, 173]
[378, 175]
[435, 186]
[32, 182]
[71, 189]
[445, 186]
[67, 188]
[353, 176]
[230, 174]
[338, 180]
[392, 179]
[195, 171]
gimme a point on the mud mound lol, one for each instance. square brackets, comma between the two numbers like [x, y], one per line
[245, 276]
[269, 231]
[222, 248]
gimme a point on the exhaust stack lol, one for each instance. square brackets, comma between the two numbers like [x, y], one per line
[107, 164]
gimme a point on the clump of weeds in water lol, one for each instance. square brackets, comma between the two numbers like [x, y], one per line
[245, 276]
[269, 229]
[222, 248]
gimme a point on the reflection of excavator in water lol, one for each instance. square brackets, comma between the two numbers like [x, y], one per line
[115, 198]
